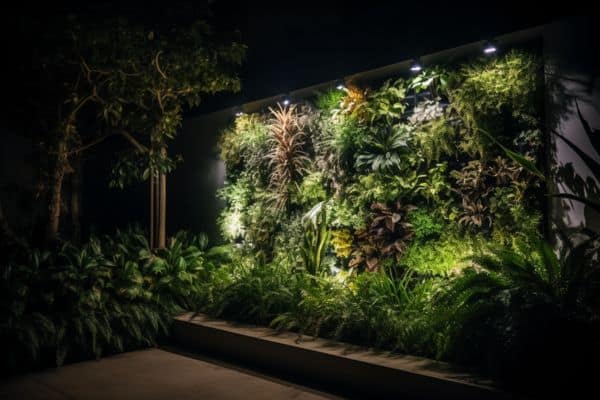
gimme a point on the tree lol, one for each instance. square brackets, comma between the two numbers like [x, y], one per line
[99, 79]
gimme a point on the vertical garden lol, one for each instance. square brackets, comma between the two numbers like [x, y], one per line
[406, 215]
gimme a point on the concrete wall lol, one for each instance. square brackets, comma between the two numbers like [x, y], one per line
[572, 78]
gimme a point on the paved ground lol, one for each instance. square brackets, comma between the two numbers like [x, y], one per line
[150, 374]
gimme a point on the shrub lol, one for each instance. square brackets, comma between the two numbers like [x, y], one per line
[109, 295]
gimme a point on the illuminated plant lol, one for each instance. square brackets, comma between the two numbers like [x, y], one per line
[387, 104]
[287, 158]
[310, 191]
[476, 184]
[316, 238]
[383, 152]
[354, 102]
[243, 145]
[386, 237]
[493, 94]
[341, 241]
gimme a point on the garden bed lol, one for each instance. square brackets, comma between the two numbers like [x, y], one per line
[360, 371]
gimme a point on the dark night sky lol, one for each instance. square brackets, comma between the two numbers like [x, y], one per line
[293, 44]
[292, 48]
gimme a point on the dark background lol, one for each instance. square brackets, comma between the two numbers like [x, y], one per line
[289, 47]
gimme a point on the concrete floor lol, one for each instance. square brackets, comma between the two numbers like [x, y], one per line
[150, 374]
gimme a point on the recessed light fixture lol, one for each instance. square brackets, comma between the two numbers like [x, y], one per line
[490, 48]
[416, 66]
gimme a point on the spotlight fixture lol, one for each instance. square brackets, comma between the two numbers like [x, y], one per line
[416, 66]
[239, 113]
[490, 48]
[286, 102]
[340, 86]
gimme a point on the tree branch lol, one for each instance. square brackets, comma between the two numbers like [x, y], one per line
[133, 141]
[160, 71]
[90, 144]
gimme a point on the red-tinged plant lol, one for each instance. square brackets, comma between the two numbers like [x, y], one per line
[387, 236]
[287, 158]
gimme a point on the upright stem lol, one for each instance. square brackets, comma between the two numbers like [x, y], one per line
[76, 200]
[162, 222]
[152, 209]
[56, 185]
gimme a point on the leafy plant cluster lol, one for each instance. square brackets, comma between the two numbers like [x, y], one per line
[374, 156]
[410, 221]
[108, 295]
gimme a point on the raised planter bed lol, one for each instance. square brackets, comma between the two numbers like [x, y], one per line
[359, 371]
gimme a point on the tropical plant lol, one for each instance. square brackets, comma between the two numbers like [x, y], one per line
[383, 151]
[523, 301]
[316, 238]
[387, 104]
[244, 145]
[494, 94]
[287, 157]
[426, 224]
[433, 79]
[341, 241]
[108, 295]
[310, 191]
[387, 236]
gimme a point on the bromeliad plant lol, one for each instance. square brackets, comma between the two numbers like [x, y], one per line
[384, 150]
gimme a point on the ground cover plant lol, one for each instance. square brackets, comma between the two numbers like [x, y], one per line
[108, 295]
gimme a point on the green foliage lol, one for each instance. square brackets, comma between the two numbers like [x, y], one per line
[383, 151]
[345, 213]
[387, 236]
[310, 191]
[245, 144]
[434, 138]
[108, 295]
[330, 101]
[483, 94]
[520, 303]
[413, 190]
[442, 256]
[434, 79]
[425, 224]
[386, 105]
[238, 196]
[316, 238]
[375, 309]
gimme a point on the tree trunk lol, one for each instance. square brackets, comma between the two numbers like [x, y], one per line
[161, 234]
[76, 200]
[152, 210]
[56, 184]
[162, 212]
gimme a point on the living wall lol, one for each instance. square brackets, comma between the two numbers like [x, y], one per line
[407, 215]
[411, 175]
